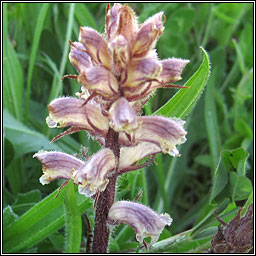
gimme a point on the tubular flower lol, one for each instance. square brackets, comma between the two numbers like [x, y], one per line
[142, 219]
[118, 71]
[90, 177]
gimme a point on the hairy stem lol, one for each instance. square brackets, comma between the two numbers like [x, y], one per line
[106, 199]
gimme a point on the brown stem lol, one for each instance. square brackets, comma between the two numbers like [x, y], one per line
[105, 200]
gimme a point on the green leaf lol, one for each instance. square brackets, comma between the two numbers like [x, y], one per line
[238, 158]
[9, 217]
[25, 201]
[228, 16]
[181, 20]
[240, 187]
[73, 221]
[113, 245]
[57, 85]
[247, 204]
[24, 139]
[210, 231]
[212, 125]
[229, 179]
[207, 215]
[42, 220]
[185, 99]
[13, 76]
[240, 56]
[220, 179]
[35, 44]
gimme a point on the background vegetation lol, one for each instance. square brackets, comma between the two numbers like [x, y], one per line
[215, 169]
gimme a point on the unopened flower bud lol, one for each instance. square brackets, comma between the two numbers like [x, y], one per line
[127, 23]
[147, 35]
[78, 58]
[95, 45]
[112, 21]
[100, 80]
[119, 48]
[140, 75]
[122, 116]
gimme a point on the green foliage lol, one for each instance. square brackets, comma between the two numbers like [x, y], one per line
[215, 167]
[73, 221]
[189, 96]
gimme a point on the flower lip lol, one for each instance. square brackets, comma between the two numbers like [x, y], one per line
[57, 165]
[69, 111]
[142, 219]
[162, 131]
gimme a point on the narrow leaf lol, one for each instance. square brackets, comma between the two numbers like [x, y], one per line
[35, 44]
[220, 179]
[185, 99]
[24, 139]
[212, 125]
[73, 220]
[13, 76]
[42, 220]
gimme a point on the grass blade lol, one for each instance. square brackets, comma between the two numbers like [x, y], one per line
[212, 126]
[39, 222]
[36, 40]
[57, 83]
[13, 76]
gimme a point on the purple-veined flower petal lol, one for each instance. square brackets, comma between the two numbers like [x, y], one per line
[127, 23]
[57, 165]
[93, 177]
[112, 20]
[100, 80]
[95, 45]
[162, 131]
[120, 54]
[140, 71]
[122, 116]
[131, 155]
[79, 59]
[172, 69]
[142, 219]
[68, 111]
[147, 35]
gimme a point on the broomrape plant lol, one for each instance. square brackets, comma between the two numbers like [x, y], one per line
[118, 72]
